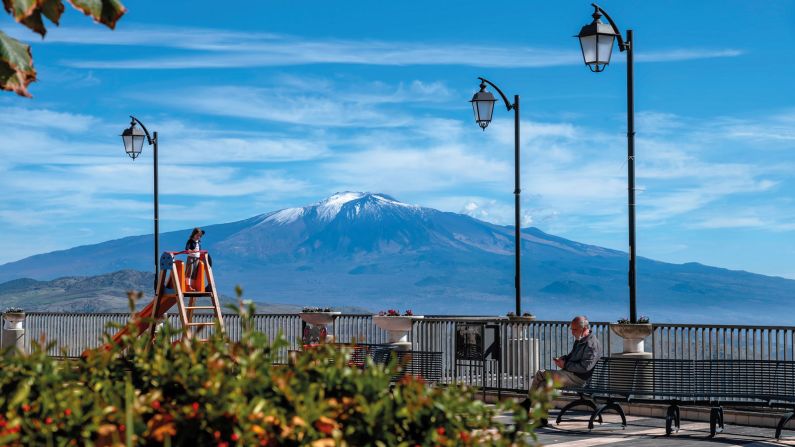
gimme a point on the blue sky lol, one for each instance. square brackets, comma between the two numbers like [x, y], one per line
[281, 104]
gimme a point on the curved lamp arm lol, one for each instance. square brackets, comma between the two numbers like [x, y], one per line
[623, 46]
[136, 120]
[508, 104]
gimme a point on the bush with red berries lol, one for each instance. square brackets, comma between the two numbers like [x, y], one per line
[224, 393]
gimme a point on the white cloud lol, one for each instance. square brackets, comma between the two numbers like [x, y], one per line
[19, 117]
[731, 222]
[386, 168]
[281, 106]
[217, 48]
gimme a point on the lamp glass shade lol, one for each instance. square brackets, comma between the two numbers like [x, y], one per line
[483, 107]
[596, 42]
[604, 48]
[133, 139]
[589, 48]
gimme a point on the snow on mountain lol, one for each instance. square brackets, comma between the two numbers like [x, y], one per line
[327, 209]
[285, 216]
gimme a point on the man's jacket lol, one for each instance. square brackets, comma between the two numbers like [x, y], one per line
[583, 357]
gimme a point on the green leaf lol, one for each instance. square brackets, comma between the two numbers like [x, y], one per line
[34, 22]
[20, 9]
[27, 13]
[52, 9]
[107, 12]
[16, 66]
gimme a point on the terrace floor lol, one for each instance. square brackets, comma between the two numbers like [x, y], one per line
[647, 431]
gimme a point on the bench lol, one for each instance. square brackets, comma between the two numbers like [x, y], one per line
[709, 383]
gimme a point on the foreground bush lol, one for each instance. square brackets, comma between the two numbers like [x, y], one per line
[224, 393]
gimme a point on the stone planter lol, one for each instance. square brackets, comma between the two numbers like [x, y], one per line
[521, 318]
[398, 328]
[633, 335]
[13, 320]
[319, 318]
[13, 332]
[315, 330]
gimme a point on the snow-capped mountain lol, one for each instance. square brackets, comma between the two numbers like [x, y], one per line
[373, 251]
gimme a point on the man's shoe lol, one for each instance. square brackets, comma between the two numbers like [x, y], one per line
[543, 422]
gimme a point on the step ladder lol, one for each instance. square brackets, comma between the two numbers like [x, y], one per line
[172, 285]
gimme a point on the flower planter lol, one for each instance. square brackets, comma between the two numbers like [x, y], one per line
[318, 318]
[633, 335]
[13, 320]
[398, 328]
[521, 318]
[315, 330]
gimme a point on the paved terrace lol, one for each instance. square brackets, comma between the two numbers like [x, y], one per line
[650, 431]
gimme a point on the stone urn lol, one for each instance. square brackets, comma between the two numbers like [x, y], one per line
[315, 330]
[521, 318]
[633, 335]
[318, 318]
[13, 320]
[13, 332]
[398, 327]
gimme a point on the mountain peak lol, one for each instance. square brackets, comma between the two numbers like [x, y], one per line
[328, 208]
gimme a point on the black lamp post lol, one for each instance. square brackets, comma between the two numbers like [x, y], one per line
[133, 138]
[483, 106]
[596, 42]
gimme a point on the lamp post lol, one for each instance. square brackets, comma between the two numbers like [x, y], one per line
[133, 139]
[483, 106]
[596, 42]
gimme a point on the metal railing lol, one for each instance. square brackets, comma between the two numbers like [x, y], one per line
[526, 346]
[715, 342]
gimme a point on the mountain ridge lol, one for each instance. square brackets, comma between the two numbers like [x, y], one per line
[369, 250]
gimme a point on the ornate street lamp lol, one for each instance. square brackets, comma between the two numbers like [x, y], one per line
[483, 106]
[133, 139]
[596, 42]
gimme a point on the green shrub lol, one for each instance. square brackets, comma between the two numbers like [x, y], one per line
[223, 393]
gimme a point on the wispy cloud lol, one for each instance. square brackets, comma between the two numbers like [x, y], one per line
[325, 105]
[191, 48]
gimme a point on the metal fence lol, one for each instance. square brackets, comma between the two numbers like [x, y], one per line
[525, 346]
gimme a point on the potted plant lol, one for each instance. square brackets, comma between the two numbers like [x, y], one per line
[318, 315]
[526, 316]
[397, 325]
[316, 319]
[13, 317]
[632, 333]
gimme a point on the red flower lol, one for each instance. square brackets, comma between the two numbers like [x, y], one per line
[440, 430]
[25, 408]
[155, 405]
[48, 421]
[234, 437]
[122, 427]
[195, 407]
[67, 412]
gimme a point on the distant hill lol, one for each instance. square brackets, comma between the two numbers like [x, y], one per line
[102, 293]
[373, 252]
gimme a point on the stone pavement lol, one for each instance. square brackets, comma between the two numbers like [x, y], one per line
[647, 432]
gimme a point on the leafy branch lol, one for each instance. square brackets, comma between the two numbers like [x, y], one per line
[16, 60]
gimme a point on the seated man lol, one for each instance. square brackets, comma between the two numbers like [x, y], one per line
[576, 366]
